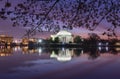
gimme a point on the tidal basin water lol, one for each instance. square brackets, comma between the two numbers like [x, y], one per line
[59, 63]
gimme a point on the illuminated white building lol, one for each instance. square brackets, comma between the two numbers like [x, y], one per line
[64, 36]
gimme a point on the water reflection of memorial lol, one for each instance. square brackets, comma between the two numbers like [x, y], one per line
[62, 54]
[91, 53]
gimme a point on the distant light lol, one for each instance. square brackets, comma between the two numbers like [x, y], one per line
[117, 49]
[63, 42]
[16, 41]
[118, 43]
[2, 54]
[100, 43]
[63, 49]
[82, 39]
[107, 43]
[40, 40]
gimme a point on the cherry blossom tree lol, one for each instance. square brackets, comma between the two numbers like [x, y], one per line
[53, 15]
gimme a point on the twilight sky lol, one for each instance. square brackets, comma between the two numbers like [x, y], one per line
[19, 31]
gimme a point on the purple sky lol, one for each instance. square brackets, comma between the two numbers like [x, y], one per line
[19, 31]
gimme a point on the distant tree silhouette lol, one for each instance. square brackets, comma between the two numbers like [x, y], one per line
[93, 36]
[93, 53]
[77, 39]
[93, 39]
[113, 41]
[56, 40]
[50, 40]
[47, 15]
[77, 52]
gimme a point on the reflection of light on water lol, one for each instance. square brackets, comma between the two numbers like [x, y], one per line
[53, 55]
[118, 43]
[40, 51]
[63, 55]
[31, 51]
[25, 49]
[1, 47]
[103, 48]
[63, 49]
[66, 58]
[8, 47]
[117, 48]
[6, 51]
[16, 48]
[2, 54]
[99, 48]
[106, 48]
[82, 51]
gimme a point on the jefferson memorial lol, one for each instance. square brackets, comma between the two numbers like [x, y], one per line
[64, 36]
